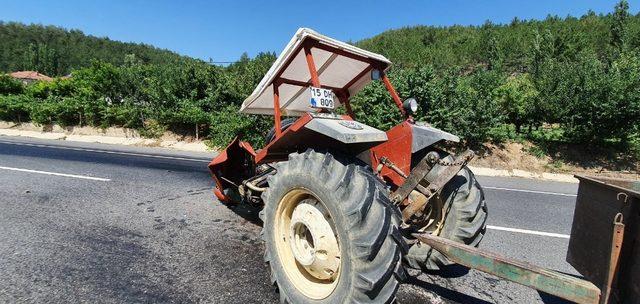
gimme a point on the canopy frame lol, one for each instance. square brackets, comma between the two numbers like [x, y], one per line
[342, 93]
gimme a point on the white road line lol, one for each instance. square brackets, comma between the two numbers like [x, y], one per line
[525, 231]
[529, 191]
[57, 174]
[105, 151]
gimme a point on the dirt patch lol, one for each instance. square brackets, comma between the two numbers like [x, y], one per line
[85, 130]
[111, 135]
[558, 158]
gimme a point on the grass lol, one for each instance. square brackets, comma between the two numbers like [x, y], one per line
[152, 129]
[537, 151]
[556, 165]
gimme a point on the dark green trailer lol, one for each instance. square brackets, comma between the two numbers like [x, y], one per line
[604, 247]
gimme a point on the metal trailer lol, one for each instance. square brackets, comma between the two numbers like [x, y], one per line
[604, 247]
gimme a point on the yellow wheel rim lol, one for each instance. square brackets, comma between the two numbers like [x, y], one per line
[307, 245]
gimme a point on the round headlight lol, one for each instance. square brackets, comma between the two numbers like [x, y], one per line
[410, 106]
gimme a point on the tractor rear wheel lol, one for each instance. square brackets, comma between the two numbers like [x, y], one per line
[284, 124]
[463, 218]
[330, 232]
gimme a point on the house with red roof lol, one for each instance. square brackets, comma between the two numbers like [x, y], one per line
[28, 77]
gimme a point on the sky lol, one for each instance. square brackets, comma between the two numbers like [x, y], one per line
[223, 30]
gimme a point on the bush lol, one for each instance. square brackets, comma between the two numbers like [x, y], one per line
[152, 129]
[10, 86]
[466, 106]
[125, 114]
[57, 87]
[189, 114]
[227, 123]
[43, 112]
[15, 108]
[69, 112]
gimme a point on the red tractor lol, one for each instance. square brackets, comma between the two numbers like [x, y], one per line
[341, 200]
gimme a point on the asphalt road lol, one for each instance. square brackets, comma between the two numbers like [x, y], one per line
[122, 224]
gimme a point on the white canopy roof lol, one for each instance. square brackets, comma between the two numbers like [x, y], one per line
[338, 65]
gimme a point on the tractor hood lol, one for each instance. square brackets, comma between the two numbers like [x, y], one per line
[347, 131]
[424, 135]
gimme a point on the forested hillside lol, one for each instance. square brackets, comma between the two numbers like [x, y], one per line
[577, 77]
[55, 51]
[513, 45]
[570, 80]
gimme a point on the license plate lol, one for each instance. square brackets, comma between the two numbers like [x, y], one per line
[321, 98]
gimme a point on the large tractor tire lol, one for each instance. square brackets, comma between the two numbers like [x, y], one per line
[330, 232]
[284, 124]
[465, 217]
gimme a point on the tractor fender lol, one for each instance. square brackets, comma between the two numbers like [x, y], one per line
[424, 135]
[346, 131]
[233, 164]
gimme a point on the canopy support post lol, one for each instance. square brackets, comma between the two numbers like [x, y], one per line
[347, 105]
[315, 80]
[394, 94]
[276, 109]
[343, 97]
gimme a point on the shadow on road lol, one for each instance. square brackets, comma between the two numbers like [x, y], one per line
[551, 299]
[155, 161]
[451, 271]
[446, 293]
[247, 212]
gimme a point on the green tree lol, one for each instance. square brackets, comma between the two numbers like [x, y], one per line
[619, 25]
[517, 99]
[10, 86]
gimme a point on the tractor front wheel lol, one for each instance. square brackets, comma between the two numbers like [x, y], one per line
[330, 232]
